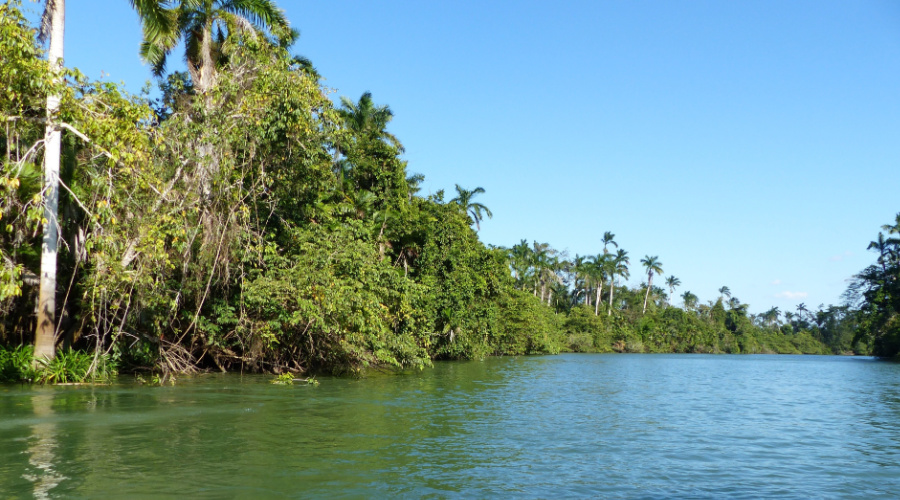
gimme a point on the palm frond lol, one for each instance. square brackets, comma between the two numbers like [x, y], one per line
[262, 13]
[46, 20]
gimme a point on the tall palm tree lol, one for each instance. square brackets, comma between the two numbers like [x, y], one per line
[608, 239]
[673, 283]
[653, 265]
[204, 26]
[725, 292]
[620, 268]
[53, 24]
[475, 210]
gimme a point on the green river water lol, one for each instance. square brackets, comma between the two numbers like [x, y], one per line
[603, 426]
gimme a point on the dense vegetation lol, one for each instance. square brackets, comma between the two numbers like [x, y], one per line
[244, 221]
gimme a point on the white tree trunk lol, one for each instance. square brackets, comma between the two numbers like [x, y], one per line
[597, 304]
[649, 286]
[612, 289]
[45, 335]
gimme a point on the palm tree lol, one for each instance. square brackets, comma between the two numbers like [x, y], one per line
[581, 266]
[884, 248]
[204, 26]
[540, 256]
[895, 228]
[475, 210]
[520, 261]
[599, 268]
[620, 268]
[414, 184]
[801, 308]
[53, 24]
[690, 300]
[608, 240]
[771, 316]
[367, 119]
[653, 265]
[672, 282]
[725, 292]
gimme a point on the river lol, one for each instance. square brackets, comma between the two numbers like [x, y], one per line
[611, 426]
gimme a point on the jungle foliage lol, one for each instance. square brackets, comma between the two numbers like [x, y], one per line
[253, 224]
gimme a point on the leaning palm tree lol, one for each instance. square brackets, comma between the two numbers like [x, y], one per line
[205, 26]
[476, 210]
[653, 265]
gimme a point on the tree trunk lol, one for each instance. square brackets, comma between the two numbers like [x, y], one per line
[597, 304]
[206, 65]
[647, 296]
[45, 335]
[612, 289]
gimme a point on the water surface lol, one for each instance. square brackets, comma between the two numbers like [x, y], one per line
[614, 426]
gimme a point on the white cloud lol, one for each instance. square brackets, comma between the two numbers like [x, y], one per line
[776, 282]
[791, 295]
[838, 258]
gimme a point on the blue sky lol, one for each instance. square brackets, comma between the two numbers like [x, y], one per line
[750, 144]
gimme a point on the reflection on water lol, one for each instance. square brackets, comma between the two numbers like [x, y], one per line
[612, 426]
[42, 444]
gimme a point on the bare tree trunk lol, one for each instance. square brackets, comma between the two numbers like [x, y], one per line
[45, 335]
[597, 304]
[647, 296]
